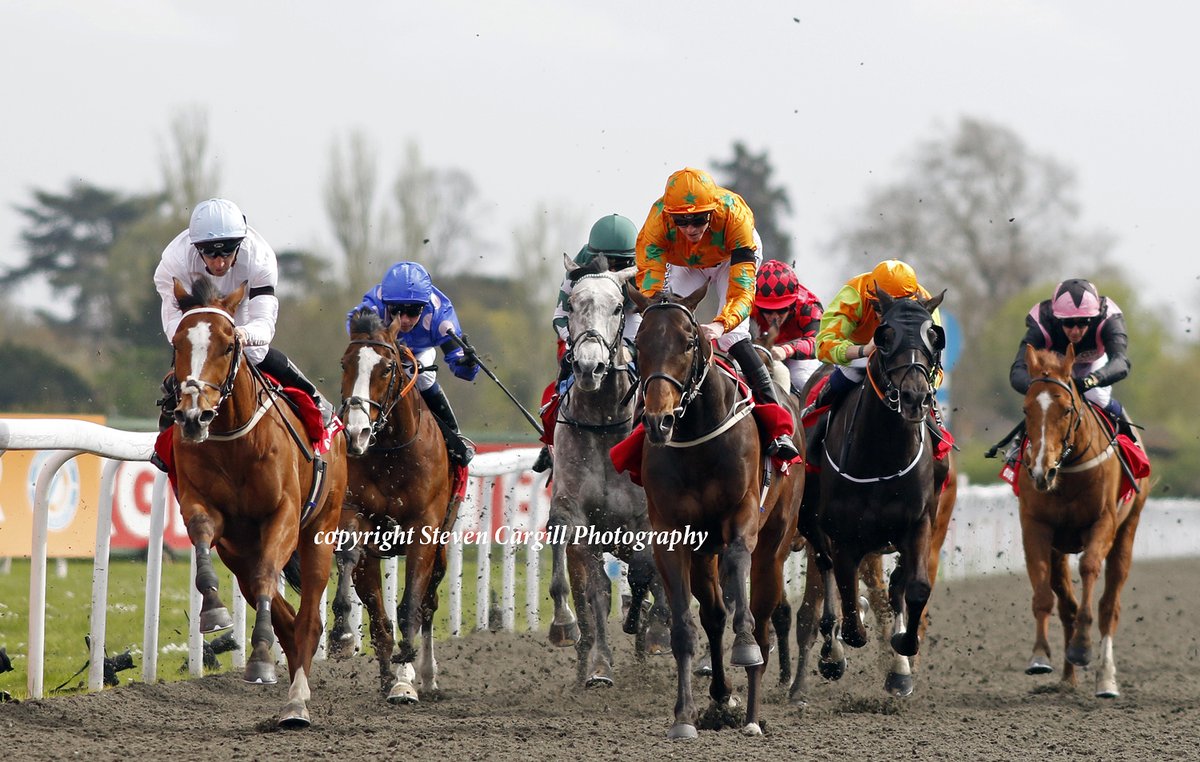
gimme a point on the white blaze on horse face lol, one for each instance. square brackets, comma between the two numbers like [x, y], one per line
[1038, 467]
[358, 419]
[200, 337]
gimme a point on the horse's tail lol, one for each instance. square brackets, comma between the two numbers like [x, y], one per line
[291, 571]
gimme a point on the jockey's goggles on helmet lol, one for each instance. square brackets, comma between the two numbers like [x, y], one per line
[690, 220]
[1076, 322]
[220, 249]
[407, 310]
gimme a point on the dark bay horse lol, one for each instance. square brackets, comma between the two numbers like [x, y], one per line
[249, 483]
[400, 487]
[702, 469]
[587, 492]
[879, 482]
[1072, 500]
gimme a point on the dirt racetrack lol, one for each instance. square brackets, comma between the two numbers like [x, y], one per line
[509, 697]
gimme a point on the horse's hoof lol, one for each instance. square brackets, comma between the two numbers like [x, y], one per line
[1039, 665]
[215, 620]
[1108, 691]
[832, 670]
[752, 729]
[1078, 655]
[259, 673]
[798, 700]
[749, 655]
[295, 716]
[855, 637]
[703, 668]
[403, 693]
[658, 641]
[681, 731]
[904, 645]
[900, 686]
[563, 635]
[598, 681]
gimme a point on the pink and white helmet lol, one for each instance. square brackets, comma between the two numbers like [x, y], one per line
[1075, 298]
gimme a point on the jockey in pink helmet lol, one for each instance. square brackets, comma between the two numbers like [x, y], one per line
[1077, 314]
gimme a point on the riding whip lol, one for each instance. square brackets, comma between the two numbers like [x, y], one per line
[465, 345]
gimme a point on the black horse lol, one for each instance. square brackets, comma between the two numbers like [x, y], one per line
[878, 486]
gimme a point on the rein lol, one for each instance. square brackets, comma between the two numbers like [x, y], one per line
[1068, 443]
[697, 372]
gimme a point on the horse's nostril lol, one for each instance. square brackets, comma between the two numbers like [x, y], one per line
[207, 416]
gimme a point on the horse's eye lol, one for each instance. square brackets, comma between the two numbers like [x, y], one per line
[229, 349]
[617, 310]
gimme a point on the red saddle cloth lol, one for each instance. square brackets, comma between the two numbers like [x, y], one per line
[549, 412]
[319, 436]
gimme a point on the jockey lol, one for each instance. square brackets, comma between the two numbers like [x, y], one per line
[219, 244]
[1077, 314]
[613, 236]
[700, 233]
[783, 304]
[846, 338]
[426, 316]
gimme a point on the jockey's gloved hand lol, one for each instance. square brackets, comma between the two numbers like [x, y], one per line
[462, 365]
[1090, 381]
[242, 335]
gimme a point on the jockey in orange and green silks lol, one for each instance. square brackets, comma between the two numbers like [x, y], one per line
[699, 233]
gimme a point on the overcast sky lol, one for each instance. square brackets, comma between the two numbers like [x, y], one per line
[588, 106]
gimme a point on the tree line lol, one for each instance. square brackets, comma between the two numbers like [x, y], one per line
[974, 209]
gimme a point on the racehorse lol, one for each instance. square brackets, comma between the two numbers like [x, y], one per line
[587, 492]
[400, 487]
[702, 469]
[1073, 500]
[249, 483]
[878, 485]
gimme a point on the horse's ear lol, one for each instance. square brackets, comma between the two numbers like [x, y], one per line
[934, 302]
[627, 274]
[393, 331]
[568, 263]
[230, 303]
[693, 299]
[1031, 360]
[640, 301]
[181, 291]
[1069, 359]
[883, 300]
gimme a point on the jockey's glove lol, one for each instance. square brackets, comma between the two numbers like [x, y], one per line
[1090, 381]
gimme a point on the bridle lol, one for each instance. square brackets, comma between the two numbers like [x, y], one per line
[887, 390]
[193, 385]
[613, 347]
[697, 370]
[1068, 441]
[391, 395]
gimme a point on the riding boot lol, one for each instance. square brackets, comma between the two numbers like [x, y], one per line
[168, 403]
[831, 393]
[460, 448]
[1116, 412]
[277, 365]
[763, 387]
[544, 459]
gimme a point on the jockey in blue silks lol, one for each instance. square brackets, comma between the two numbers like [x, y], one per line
[427, 319]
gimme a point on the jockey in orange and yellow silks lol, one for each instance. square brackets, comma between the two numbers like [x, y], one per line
[699, 233]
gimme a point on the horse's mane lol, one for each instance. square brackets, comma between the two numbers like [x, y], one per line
[597, 265]
[203, 292]
[365, 320]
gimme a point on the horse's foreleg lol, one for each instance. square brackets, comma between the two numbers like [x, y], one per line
[1098, 542]
[369, 584]
[707, 589]
[766, 593]
[418, 569]
[260, 667]
[845, 570]
[832, 663]
[1036, 539]
[598, 599]
[674, 568]
[341, 637]
[914, 554]
[735, 571]
[889, 606]
[781, 621]
[316, 559]
[1060, 583]
[426, 662]
[564, 628]
[806, 629]
[203, 528]
[1116, 570]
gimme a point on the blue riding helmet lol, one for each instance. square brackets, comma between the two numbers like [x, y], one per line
[406, 282]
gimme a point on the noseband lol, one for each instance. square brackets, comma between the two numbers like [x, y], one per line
[612, 348]
[887, 390]
[697, 371]
[391, 396]
[196, 385]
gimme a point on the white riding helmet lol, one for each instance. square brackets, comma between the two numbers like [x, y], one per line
[216, 219]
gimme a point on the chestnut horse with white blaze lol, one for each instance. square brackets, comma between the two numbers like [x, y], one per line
[1073, 499]
[249, 483]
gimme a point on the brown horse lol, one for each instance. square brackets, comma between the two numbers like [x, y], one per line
[400, 491]
[249, 483]
[1070, 498]
[702, 468]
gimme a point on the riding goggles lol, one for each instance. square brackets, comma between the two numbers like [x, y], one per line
[219, 249]
[689, 220]
[407, 310]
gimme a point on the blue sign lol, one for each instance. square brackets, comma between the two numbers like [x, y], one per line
[953, 340]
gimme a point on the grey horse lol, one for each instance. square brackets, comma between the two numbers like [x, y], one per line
[588, 497]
